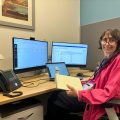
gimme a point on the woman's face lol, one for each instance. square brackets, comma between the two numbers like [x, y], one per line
[109, 45]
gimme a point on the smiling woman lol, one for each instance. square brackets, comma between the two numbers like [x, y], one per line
[106, 85]
[109, 42]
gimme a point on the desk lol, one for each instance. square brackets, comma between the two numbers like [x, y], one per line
[31, 92]
[74, 71]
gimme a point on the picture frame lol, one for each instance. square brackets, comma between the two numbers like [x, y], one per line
[18, 13]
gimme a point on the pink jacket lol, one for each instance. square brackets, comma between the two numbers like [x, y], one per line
[107, 87]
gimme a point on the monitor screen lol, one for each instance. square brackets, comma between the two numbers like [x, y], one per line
[73, 54]
[29, 54]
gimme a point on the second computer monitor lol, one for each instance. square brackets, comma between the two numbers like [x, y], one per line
[73, 54]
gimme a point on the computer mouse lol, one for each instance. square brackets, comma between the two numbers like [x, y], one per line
[79, 74]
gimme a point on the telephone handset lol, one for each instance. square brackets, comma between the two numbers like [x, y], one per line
[9, 82]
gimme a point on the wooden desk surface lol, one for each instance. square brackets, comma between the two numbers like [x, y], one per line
[29, 92]
[44, 87]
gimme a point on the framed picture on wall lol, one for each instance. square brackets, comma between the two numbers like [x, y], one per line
[18, 13]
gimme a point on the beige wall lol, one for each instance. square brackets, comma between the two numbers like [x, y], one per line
[55, 20]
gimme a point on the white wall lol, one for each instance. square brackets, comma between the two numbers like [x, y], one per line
[55, 20]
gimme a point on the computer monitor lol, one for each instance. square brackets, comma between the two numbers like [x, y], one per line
[29, 54]
[73, 54]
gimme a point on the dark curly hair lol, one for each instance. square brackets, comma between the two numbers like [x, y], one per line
[115, 33]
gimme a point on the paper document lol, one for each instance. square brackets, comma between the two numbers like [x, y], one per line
[62, 81]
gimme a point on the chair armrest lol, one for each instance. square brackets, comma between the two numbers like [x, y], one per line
[114, 101]
[112, 115]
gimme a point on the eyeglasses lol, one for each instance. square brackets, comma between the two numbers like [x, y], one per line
[108, 40]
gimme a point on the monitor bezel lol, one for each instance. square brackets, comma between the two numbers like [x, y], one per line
[30, 68]
[71, 65]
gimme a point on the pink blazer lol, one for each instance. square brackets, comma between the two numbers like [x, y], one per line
[107, 87]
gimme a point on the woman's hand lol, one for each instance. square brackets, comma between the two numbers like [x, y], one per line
[72, 91]
[85, 80]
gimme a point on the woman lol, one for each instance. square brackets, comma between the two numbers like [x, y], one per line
[106, 84]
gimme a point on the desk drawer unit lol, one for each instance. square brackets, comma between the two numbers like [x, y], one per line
[34, 113]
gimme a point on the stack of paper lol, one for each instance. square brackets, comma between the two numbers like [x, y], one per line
[62, 81]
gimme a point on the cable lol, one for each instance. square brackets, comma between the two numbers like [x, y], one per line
[32, 84]
[14, 94]
[33, 80]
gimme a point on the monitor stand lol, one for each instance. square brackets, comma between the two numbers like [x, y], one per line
[29, 74]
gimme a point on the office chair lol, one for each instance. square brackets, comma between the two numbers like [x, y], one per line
[110, 112]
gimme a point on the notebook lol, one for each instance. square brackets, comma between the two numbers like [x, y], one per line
[51, 67]
[62, 81]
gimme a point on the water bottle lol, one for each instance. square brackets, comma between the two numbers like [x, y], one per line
[57, 71]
